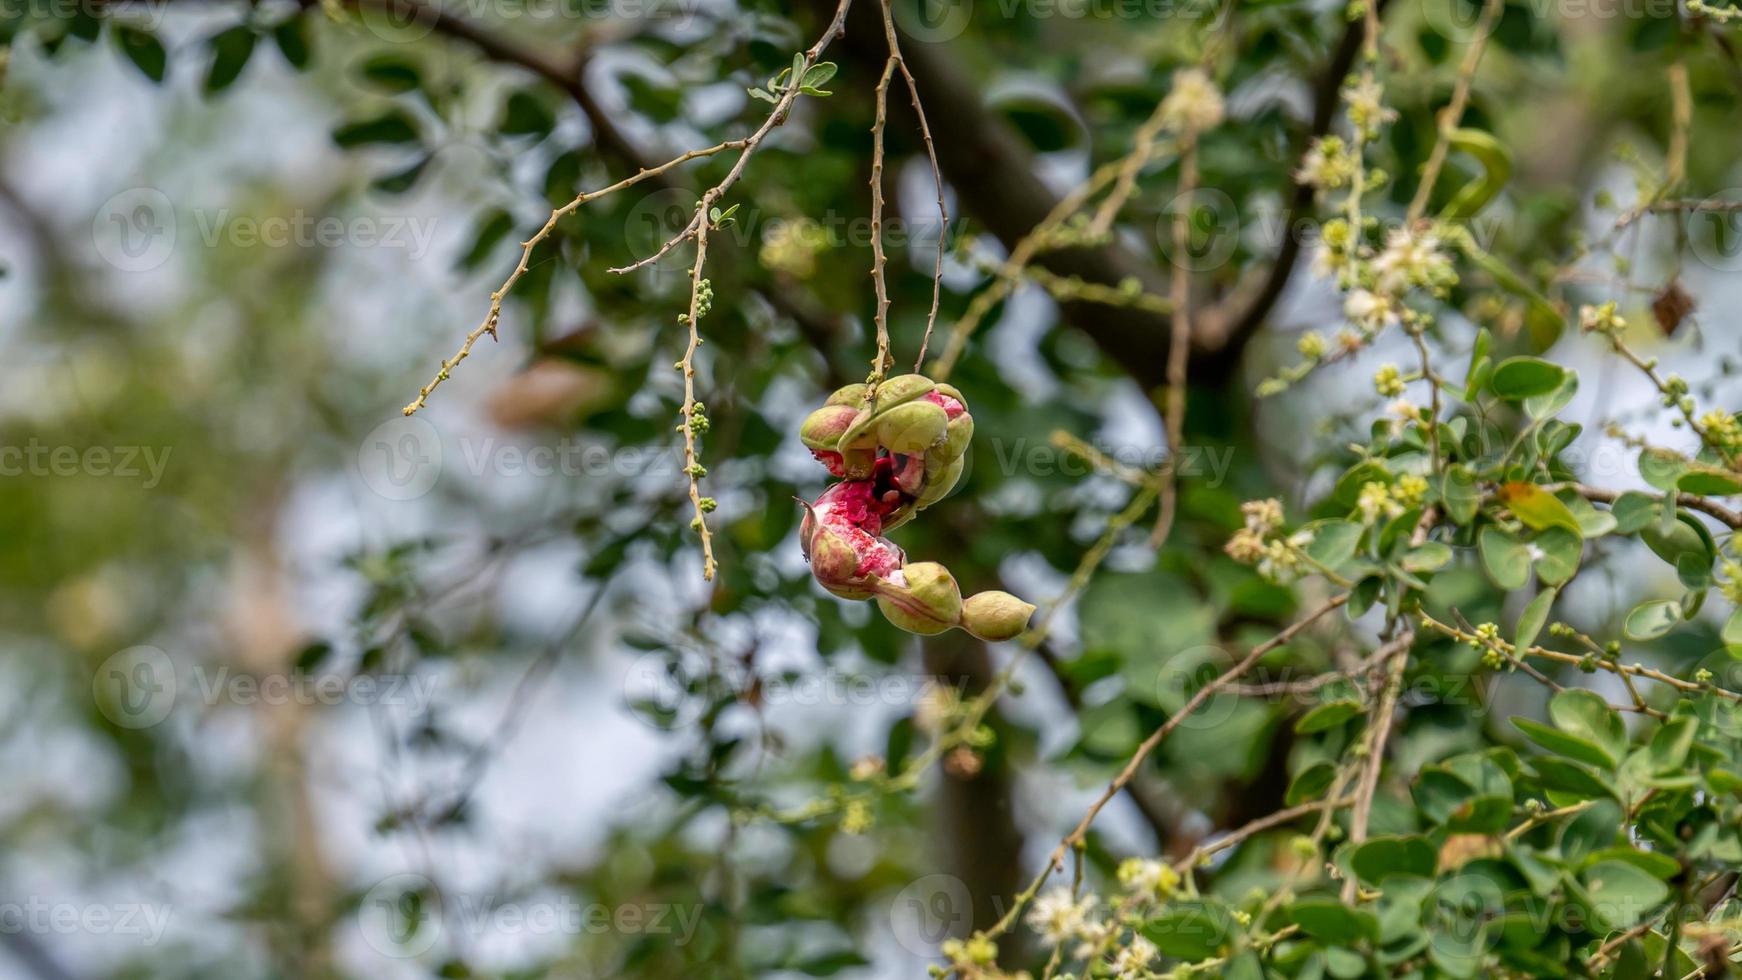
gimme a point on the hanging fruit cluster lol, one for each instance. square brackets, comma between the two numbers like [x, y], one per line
[899, 448]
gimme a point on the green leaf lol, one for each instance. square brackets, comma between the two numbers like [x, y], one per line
[1622, 895]
[1330, 920]
[1660, 866]
[1460, 494]
[1593, 523]
[1587, 715]
[1677, 538]
[392, 126]
[1429, 557]
[1632, 511]
[819, 74]
[1517, 378]
[1380, 857]
[1661, 468]
[143, 49]
[1544, 405]
[1468, 794]
[526, 115]
[1732, 632]
[1559, 742]
[1495, 159]
[1190, 930]
[493, 227]
[1327, 715]
[1570, 780]
[1669, 746]
[1333, 542]
[1561, 550]
[391, 73]
[230, 51]
[1650, 620]
[1533, 618]
[1707, 480]
[1310, 783]
[404, 180]
[1505, 558]
[291, 36]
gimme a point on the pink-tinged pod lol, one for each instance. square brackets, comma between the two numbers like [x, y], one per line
[911, 429]
[823, 428]
[923, 598]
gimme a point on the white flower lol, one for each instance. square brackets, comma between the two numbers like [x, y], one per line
[1328, 164]
[1194, 104]
[1369, 310]
[1133, 961]
[1057, 917]
[1367, 109]
[1094, 935]
[1411, 258]
[1328, 261]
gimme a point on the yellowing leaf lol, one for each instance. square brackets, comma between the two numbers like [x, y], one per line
[1536, 507]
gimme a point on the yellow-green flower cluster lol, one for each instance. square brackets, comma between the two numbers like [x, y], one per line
[1194, 104]
[1388, 381]
[1722, 430]
[1488, 641]
[1376, 500]
[1410, 490]
[1329, 164]
[1148, 878]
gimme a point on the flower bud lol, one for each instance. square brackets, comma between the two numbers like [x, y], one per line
[922, 598]
[911, 428]
[995, 615]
